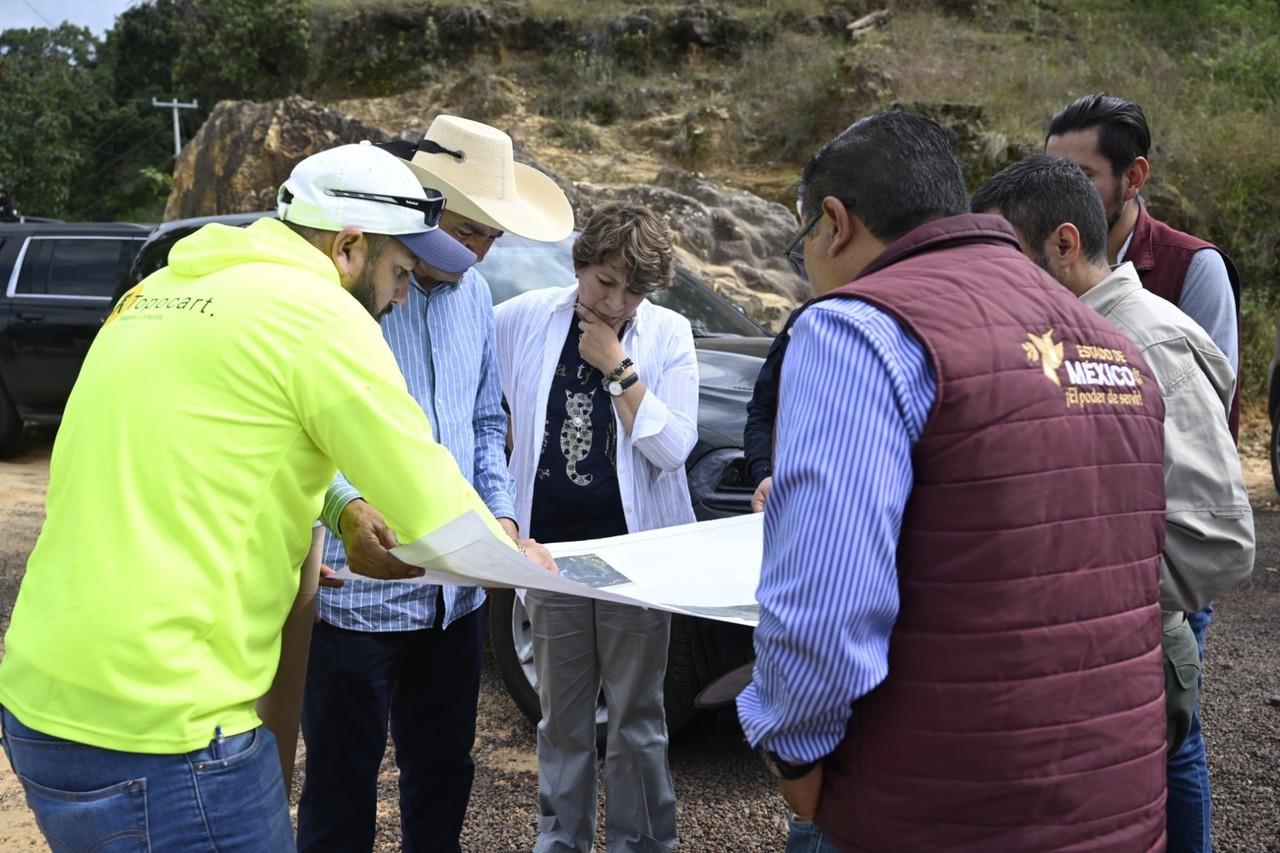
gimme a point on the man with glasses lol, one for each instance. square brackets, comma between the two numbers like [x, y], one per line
[209, 416]
[934, 667]
[407, 657]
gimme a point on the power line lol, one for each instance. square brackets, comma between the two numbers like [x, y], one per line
[99, 202]
[38, 12]
[100, 170]
[128, 122]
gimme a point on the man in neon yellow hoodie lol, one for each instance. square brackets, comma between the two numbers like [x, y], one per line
[210, 415]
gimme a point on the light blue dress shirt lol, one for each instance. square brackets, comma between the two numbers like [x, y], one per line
[1208, 299]
[856, 392]
[444, 342]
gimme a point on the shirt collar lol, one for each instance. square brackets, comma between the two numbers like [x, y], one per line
[1124, 249]
[1137, 246]
[1106, 294]
[443, 286]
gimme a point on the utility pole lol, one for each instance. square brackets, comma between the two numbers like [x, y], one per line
[175, 106]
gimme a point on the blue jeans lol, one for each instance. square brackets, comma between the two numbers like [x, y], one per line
[1189, 812]
[805, 837]
[228, 796]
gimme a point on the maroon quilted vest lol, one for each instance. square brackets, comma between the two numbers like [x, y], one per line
[1162, 254]
[1023, 708]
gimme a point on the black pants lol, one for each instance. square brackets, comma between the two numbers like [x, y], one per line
[426, 683]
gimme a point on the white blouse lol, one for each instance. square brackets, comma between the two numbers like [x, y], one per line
[532, 329]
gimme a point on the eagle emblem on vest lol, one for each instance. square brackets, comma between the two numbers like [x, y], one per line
[1043, 349]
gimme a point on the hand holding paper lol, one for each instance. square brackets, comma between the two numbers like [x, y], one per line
[535, 552]
[368, 539]
[708, 569]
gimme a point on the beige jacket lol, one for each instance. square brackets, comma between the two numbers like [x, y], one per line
[1209, 543]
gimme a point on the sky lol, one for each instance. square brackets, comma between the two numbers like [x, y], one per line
[97, 15]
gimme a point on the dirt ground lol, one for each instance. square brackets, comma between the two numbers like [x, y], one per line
[23, 481]
[726, 801]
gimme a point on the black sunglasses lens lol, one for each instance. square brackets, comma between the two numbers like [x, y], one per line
[796, 259]
[433, 207]
[430, 207]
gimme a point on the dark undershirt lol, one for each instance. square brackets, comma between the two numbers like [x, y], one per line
[575, 492]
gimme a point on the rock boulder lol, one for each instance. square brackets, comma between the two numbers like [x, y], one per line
[245, 150]
[732, 238]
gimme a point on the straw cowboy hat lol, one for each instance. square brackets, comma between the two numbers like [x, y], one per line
[473, 165]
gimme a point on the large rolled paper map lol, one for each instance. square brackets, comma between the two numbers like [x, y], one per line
[708, 569]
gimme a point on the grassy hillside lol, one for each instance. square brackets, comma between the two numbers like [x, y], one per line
[744, 91]
[612, 90]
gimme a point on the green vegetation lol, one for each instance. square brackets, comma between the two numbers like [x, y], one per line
[1207, 74]
[572, 134]
[743, 91]
[79, 137]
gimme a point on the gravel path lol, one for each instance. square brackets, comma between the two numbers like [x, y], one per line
[726, 800]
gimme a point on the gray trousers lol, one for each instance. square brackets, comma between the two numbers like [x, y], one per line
[579, 646]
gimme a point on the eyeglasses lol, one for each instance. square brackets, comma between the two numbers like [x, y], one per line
[430, 207]
[795, 252]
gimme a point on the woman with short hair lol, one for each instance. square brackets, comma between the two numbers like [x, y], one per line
[603, 390]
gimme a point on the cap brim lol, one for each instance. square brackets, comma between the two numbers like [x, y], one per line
[437, 249]
[726, 688]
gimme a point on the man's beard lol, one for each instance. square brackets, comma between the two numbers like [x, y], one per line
[1116, 207]
[365, 292]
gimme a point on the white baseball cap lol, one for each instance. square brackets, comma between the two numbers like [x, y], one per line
[369, 188]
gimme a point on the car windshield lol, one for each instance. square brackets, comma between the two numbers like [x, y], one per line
[515, 265]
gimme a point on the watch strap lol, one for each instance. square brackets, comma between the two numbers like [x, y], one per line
[784, 769]
[617, 372]
[623, 384]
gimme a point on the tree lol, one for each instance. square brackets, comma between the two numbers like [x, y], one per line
[244, 49]
[50, 102]
[133, 145]
[140, 51]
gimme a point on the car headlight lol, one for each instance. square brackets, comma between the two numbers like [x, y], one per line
[719, 481]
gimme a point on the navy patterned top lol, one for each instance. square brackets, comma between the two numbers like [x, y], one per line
[575, 494]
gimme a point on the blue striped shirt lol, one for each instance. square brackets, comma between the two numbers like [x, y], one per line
[444, 342]
[856, 391]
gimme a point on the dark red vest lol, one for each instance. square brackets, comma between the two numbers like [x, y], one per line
[1023, 708]
[1162, 254]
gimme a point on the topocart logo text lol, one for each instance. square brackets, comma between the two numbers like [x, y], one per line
[136, 304]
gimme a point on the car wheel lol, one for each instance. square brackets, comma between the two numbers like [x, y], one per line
[1275, 450]
[511, 636]
[681, 685]
[10, 424]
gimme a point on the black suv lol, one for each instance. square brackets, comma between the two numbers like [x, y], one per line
[59, 281]
[730, 348]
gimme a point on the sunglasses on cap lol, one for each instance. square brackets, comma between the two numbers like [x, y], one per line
[430, 207]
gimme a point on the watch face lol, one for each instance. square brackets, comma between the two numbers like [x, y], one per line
[615, 388]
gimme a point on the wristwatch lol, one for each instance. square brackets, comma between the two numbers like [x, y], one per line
[784, 770]
[617, 372]
[616, 387]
